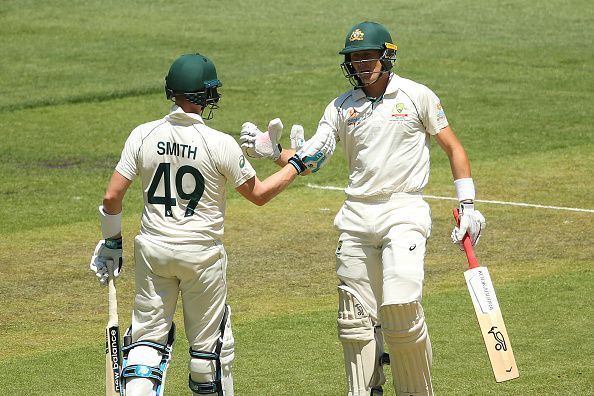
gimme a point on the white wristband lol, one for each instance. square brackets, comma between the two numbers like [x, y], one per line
[110, 224]
[464, 189]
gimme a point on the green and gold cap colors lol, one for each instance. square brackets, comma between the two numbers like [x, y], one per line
[367, 36]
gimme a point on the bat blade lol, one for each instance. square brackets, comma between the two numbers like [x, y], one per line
[491, 324]
[112, 341]
[488, 315]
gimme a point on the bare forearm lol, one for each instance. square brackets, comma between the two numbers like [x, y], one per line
[455, 151]
[114, 195]
[459, 163]
[274, 184]
[261, 192]
[284, 157]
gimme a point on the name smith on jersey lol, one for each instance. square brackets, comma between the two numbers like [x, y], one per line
[179, 150]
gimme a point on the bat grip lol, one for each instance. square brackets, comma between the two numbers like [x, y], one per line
[467, 244]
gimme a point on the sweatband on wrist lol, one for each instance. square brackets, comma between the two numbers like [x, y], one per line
[297, 164]
[464, 189]
[110, 224]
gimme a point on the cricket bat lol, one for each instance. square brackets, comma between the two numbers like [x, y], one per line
[489, 315]
[112, 339]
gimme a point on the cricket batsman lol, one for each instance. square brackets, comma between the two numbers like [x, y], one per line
[384, 123]
[184, 167]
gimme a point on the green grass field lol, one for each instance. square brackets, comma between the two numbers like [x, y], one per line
[516, 81]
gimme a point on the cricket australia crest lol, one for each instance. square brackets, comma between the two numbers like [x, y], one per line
[399, 113]
[357, 35]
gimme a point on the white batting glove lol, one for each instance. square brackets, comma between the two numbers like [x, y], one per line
[107, 249]
[258, 144]
[297, 137]
[313, 155]
[471, 222]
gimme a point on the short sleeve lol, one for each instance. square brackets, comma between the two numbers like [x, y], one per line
[432, 113]
[233, 164]
[128, 164]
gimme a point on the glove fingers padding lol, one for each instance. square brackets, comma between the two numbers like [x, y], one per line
[107, 250]
[297, 136]
[99, 267]
[258, 144]
[275, 130]
[248, 135]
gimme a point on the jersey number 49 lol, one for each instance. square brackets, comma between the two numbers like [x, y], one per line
[164, 172]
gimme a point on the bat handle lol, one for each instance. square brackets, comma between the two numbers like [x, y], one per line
[111, 292]
[468, 249]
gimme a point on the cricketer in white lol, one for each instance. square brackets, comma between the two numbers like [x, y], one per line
[184, 166]
[384, 125]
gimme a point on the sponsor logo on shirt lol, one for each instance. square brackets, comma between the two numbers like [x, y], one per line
[440, 113]
[353, 117]
[339, 248]
[241, 162]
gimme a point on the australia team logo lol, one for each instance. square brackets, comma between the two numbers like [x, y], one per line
[357, 35]
[398, 109]
[399, 112]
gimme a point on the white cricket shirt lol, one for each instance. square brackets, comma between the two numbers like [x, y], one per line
[184, 166]
[386, 143]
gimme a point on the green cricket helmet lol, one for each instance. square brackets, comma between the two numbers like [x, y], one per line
[366, 36]
[193, 76]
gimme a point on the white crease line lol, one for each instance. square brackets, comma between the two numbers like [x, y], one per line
[334, 188]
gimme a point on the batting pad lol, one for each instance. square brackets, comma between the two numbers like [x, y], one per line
[211, 371]
[362, 346]
[406, 334]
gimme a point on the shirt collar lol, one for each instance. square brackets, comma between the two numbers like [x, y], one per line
[179, 116]
[358, 94]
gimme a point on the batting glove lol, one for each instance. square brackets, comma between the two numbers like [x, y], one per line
[258, 144]
[297, 136]
[313, 154]
[107, 249]
[471, 222]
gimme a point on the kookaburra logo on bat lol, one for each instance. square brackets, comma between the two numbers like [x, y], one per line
[499, 340]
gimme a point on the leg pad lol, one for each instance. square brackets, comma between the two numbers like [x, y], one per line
[213, 370]
[145, 365]
[362, 344]
[406, 335]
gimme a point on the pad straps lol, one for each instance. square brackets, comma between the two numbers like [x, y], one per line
[145, 371]
[206, 388]
[142, 370]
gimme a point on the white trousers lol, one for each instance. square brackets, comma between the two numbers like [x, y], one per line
[381, 249]
[164, 271]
